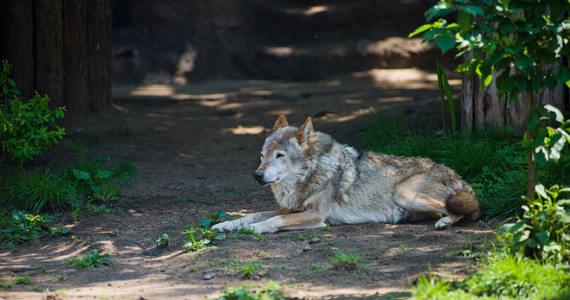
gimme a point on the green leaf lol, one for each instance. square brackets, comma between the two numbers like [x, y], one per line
[540, 155]
[81, 175]
[558, 116]
[421, 29]
[463, 19]
[488, 80]
[505, 84]
[532, 120]
[543, 236]
[445, 42]
[539, 188]
[473, 10]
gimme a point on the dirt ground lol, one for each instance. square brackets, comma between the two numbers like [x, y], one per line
[195, 147]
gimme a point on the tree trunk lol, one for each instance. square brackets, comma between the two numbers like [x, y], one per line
[17, 42]
[59, 48]
[49, 50]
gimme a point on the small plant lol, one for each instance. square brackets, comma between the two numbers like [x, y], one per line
[260, 238]
[102, 209]
[542, 233]
[20, 227]
[345, 262]
[125, 130]
[107, 193]
[163, 241]
[5, 283]
[430, 287]
[315, 235]
[23, 279]
[193, 244]
[271, 291]
[212, 219]
[28, 128]
[91, 259]
[250, 269]
[316, 266]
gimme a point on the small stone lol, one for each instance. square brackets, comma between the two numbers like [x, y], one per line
[131, 211]
[305, 249]
[314, 240]
[209, 276]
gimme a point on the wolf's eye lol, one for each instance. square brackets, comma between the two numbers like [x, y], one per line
[279, 155]
[261, 155]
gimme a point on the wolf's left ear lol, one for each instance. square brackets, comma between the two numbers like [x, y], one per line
[281, 122]
[305, 131]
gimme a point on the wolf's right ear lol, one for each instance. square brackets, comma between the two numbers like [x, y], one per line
[281, 122]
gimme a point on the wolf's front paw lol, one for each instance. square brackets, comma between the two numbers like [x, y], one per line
[443, 223]
[225, 226]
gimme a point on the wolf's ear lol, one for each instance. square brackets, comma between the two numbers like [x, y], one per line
[305, 131]
[281, 122]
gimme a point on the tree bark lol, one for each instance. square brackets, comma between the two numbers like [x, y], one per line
[75, 55]
[49, 50]
[99, 16]
[17, 43]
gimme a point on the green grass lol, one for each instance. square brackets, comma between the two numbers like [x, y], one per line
[492, 161]
[501, 276]
[345, 262]
[271, 290]
[40, 190]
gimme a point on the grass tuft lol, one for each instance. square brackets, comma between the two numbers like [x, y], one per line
[40, 190]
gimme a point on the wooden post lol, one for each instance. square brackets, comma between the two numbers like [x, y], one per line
[99, 16]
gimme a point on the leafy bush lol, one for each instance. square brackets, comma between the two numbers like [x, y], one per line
[40, 190]
[19, 227]
[543, 231]
[28, 128]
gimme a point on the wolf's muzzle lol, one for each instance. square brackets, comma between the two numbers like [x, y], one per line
[259, 178]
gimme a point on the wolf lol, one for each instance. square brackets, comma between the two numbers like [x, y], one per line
[315, 180]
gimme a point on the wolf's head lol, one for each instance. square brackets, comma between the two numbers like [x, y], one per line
[283, 153]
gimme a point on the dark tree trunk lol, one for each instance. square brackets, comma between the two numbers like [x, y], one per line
[59, 48]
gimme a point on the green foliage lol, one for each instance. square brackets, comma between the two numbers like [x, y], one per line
[250, 269]
[521, 41]
[501, 276]
[212, 219]
[271, 291]
[90, 259]
[206, 237]
[445, 91]
[28, 128]
[19, 227]
[39, 190]
[543, 231]
[345, 262]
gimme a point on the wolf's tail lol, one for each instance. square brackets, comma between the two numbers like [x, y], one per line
[464, 203]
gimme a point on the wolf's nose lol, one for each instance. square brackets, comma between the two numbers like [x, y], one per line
[258, 176]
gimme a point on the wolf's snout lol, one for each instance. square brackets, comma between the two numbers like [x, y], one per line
[258, 176]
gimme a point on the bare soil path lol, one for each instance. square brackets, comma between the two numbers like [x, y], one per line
[195, 147]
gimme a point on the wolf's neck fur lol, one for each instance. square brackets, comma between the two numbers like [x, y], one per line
[303, 188]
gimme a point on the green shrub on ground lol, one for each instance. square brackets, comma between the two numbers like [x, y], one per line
[39, 191]
[28, 127]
